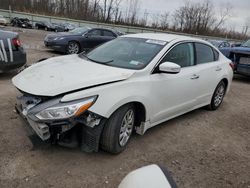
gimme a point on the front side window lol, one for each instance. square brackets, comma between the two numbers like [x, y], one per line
[182, 54]
[125, 52]
[95, 33]
[204, 53]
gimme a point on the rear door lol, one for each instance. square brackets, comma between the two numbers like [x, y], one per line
[210, 70]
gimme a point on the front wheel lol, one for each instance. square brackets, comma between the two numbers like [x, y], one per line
[218, 96]
[118, 130]
[73, 48]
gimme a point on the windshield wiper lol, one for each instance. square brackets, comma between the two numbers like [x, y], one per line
[100, 62]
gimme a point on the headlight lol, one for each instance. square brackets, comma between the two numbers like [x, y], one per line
[66, 110]
[59, 38]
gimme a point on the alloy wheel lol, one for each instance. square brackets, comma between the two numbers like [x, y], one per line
[73, 48]
[126, 127]
[219, 95]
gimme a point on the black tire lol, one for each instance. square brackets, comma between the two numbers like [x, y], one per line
[73, 48]
[46, 29]
[218, 96]
[110, 138]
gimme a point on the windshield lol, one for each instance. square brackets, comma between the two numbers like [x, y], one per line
[130, 53]
[79, 30]
[246, 44]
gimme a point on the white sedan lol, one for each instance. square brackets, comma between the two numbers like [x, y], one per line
[3, 21]
[134, 82]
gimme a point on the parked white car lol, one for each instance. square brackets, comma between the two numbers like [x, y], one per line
[151, 176]
[131, 83]
[3, 21]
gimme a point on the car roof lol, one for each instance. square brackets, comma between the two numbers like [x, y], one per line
[7, 34]
[161, 36]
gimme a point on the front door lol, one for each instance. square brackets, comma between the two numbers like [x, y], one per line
[174, 94]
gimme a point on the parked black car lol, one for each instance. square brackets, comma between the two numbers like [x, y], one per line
[45, 25]
[58, 27]
[68, 26]
[79, 39]
[12, 54]
[240, 56]
[21, 22]
[222, 45]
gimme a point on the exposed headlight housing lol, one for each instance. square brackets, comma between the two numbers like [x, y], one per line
[66, 110]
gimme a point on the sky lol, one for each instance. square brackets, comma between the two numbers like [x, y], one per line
[239, 18]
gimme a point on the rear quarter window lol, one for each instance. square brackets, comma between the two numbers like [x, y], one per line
[216, 55]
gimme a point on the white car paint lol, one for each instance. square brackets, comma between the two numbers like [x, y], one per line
[146, 177]
[3, 20]
[164, 96]
[66, 73]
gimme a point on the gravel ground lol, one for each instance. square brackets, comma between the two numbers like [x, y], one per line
[200, 149]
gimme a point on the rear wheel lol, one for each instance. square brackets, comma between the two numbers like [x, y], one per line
[218, 96]
[46, 29]
[73, 48]
[118, 130]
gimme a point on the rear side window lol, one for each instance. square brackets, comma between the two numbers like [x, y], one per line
[108, 34]
[204, 53]
[182, 54]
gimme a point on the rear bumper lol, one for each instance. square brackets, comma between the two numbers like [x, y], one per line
[19, 59]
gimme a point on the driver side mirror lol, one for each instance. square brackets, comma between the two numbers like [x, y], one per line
[170, 68]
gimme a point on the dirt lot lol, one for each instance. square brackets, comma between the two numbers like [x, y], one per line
[201, 148]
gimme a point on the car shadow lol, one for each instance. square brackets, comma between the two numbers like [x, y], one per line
[241, 78]
[8, 75]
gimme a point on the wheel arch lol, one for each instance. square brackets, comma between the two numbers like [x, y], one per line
[225, 80]
[139, 109]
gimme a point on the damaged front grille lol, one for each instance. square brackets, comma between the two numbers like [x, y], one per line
[27, 101]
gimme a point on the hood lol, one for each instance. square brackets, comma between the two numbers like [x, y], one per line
[63, 74]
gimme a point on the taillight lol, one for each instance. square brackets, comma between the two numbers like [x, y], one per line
[16, 42]
[232, 65]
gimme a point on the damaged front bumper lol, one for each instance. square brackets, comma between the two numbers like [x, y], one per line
[90, 125]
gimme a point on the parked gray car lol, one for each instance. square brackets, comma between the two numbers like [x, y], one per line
[12, 54]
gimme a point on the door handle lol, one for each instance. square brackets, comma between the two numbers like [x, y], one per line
[195, 76]
[218, 69]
